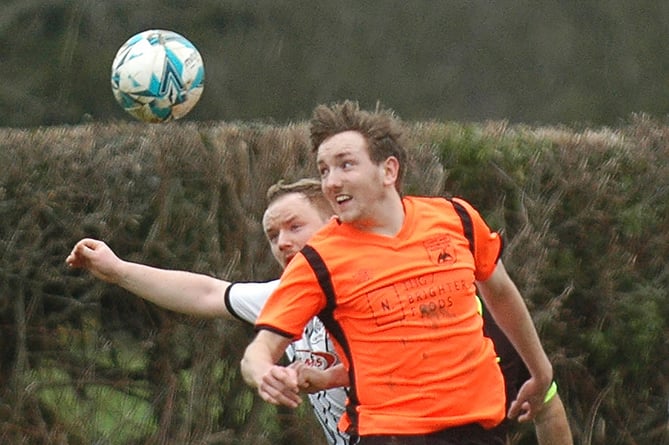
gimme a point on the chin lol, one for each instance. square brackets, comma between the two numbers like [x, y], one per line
[345, 218]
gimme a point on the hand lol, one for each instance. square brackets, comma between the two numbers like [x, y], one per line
[312, 380]
[279, 386]
[309, 379]
[96, 257]
[529, 401]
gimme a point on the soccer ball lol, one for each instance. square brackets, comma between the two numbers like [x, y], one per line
[157, 76]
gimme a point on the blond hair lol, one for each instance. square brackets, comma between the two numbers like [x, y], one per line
[310, 188]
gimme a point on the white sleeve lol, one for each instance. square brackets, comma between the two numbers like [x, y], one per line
[245, 300]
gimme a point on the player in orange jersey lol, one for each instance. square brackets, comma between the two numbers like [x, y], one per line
[394, 280]
[295, 211]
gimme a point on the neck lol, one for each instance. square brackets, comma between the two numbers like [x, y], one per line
[388, 217]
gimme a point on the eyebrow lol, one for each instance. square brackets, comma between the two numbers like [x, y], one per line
[291, 219]
[344, 154]
[288, 220]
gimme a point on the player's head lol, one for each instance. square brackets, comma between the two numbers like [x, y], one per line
[360, 158]
[382, 130]
[295, 211]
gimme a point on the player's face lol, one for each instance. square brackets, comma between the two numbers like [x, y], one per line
[353, 184]
[288, 223]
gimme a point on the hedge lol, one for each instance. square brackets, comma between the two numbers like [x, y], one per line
[584, 213]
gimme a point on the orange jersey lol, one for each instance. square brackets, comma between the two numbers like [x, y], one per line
[404, 316]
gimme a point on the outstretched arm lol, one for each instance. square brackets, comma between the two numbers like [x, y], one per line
[509, 311]
[179, 291]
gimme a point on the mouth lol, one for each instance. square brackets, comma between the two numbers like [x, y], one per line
[288, 258]
[342, 199]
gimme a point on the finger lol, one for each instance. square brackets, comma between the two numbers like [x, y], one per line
[73, 259]
[280, 385]
[70, 260]
[526, 414]
[301, 371]
[513, 410]
[277, 397]
[90, 243]
[516, 409]
[78, 256]
[290, 400]
[286, 377]
[523, 412]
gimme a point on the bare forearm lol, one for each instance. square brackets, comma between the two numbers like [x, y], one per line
[520, 330]
[552, 425]
[275, 384]
[256, 362]
[336, 377]
[179, 291]
[509, 311]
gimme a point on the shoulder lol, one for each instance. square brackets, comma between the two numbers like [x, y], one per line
[457, 201]
[430, 207]
[426, 202]
[465, 210]
[244, 300]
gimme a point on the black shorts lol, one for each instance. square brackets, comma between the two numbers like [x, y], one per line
[472, 434]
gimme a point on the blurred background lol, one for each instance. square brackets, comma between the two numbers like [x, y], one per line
[537, 62]
[515, 91]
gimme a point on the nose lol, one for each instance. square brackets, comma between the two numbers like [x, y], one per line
[284, 241]
[331, 180]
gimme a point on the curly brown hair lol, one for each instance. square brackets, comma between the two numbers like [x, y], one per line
[383, 131]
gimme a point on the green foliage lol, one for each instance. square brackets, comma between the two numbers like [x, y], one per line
[583, 212]
[94, 411]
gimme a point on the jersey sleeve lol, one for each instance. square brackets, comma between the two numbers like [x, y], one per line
[245, 300]
[296, 300]
[487, 244]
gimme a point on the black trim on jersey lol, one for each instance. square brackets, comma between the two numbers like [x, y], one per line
[271, 328]
[335, 330]
[467, 225]
[228, 305]
[468, 228]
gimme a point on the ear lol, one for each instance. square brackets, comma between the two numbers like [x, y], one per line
[391, 168]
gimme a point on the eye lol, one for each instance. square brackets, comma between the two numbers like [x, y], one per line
[323, 171]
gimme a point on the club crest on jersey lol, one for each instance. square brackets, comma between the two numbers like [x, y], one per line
[440, 250]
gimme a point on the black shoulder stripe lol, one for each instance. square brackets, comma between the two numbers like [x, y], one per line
[334, 329]
[467, 225]
[322, 273]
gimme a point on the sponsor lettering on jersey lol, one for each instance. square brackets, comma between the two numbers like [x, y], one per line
[316, 359]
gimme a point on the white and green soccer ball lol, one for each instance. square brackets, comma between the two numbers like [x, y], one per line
[157, 76]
